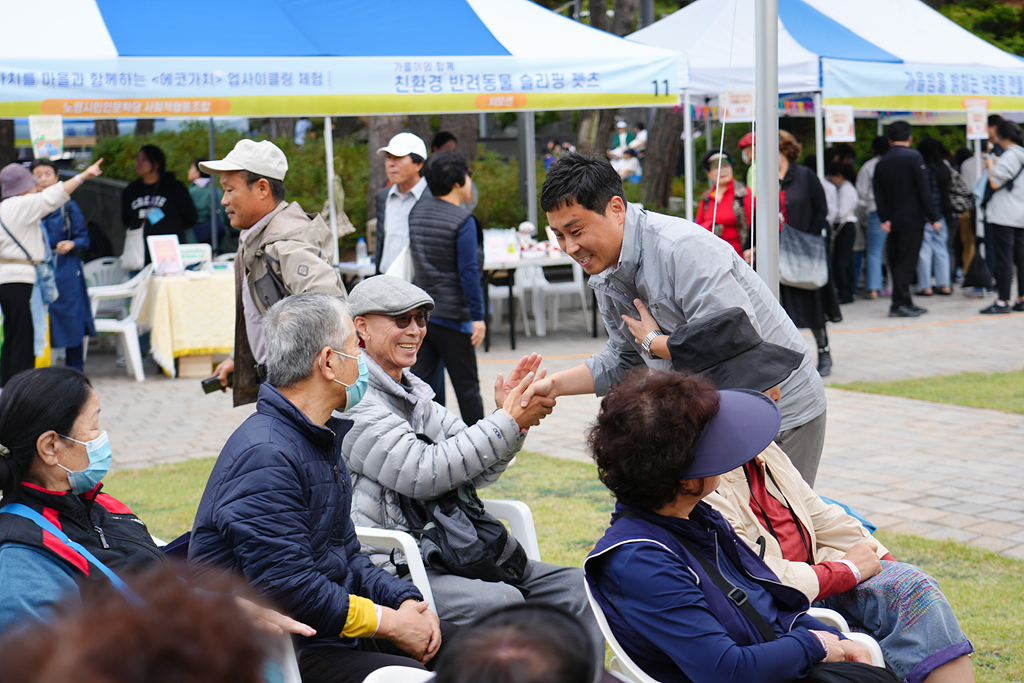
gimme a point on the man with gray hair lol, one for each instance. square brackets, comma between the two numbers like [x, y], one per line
[276, 506]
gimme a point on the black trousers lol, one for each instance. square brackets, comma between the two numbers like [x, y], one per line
[903, 247]
[18, 353]
[456, 350]
[336, 664]
[842, 261]
[1008, 245]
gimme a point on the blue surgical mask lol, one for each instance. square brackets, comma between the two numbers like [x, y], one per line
[100, 456]
[354, 392]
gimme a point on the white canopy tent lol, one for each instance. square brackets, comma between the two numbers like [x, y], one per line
[877, 55]
[290, 58]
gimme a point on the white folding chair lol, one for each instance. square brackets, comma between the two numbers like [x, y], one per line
[836, 620]
[399, 674]
[498, 294]
[554, 290]
[621, 662]
[126, 328]
[516, 513]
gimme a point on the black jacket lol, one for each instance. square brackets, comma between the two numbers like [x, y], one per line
[101, 523]
[433, 229]
[901, 190]
[170, 195]
[382, 202]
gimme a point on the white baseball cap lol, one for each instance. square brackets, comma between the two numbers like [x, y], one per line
[263, 158]
[621, 124]
[405, 144]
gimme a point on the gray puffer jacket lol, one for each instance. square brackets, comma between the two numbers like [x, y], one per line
[386, 457]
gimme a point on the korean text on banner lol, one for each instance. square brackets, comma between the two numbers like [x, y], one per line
[977, 123]
[47, 134]
[839, 124]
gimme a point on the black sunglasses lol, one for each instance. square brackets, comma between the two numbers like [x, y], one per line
[402, 321]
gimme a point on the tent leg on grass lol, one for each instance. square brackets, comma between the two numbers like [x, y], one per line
[819, 137]
[766, 144]
[528, 164]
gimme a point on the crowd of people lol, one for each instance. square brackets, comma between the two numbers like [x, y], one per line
[709, 435]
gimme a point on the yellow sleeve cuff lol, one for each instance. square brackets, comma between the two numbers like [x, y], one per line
[362, 618]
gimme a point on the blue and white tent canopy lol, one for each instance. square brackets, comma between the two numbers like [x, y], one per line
[305, 57]
[873, 54]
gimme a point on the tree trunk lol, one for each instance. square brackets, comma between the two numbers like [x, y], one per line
[419, 125]
[106, 128]
[144, 127]
[465, 128]
[661, 157]
[345, 126]
[382, 129]
[8, 153]
[284, 128]
[596, 125]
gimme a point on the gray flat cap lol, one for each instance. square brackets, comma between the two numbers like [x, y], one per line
[387, 294]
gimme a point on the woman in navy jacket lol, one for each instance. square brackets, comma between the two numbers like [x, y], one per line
[71, 314]
[660, 442]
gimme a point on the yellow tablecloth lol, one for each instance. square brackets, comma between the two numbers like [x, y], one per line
[189, 316]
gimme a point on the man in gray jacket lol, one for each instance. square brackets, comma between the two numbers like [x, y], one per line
[282, 250]
[653, 273]
[402, 443]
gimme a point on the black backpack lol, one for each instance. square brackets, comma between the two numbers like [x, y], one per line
[458, 536]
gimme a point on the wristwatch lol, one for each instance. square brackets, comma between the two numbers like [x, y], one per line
[647, 342]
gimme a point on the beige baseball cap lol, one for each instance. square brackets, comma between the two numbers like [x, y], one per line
[263, 158]
[405, 144]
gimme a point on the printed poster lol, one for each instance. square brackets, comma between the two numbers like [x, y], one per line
[977, 123]
[47, 134]
[839, 123]
[737, 107]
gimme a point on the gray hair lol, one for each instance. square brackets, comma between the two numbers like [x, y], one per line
[295, 331]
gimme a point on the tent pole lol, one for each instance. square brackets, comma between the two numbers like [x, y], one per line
[766, 151]
[688, 153]
[329, 154]
[881, 129]
[482, 127]
[213, 190]
[528, 164]
[819, 136]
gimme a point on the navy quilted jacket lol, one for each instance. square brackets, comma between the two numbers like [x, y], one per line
[276, 511]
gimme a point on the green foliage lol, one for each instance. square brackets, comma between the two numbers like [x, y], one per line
[1000, 23]
[307, 171]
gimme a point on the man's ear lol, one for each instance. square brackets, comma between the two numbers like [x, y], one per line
[617, 207]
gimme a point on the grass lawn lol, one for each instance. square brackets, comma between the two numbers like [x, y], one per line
[998, 391]
[571, 509]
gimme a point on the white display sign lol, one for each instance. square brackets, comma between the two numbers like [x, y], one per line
[47, 134]
[977, 123]
[737, 107]
[839, 123]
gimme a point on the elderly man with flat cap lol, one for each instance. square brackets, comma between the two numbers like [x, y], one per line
[282, 250]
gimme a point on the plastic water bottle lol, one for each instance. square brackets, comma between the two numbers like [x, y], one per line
[362, 258]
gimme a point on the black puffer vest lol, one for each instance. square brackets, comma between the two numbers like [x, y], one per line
[433, 228]
[101, 523]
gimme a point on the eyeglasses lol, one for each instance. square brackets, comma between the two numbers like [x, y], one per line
[402, 321]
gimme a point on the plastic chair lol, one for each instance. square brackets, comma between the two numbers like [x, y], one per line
[126, 328]
[516, 513]
[836, 620]
[399, 674]
[103, 272]
[622, 663]
[499, 293]
[195, 253]
[578, 287]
